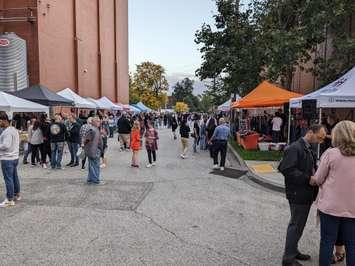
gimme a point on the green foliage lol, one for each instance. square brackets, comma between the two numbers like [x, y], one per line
[183, 92]
[269, 39]
[149, 85]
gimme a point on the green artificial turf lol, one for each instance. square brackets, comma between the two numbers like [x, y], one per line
[256, 155]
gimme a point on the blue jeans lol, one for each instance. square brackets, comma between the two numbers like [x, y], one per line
[94, 170]
[73, 149]
[9, 170]
[57, 154]
[203, 143]
[331, 226]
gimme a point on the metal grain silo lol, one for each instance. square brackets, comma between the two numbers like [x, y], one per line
[13, 62]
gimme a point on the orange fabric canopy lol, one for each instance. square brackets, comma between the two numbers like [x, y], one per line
[266, 95]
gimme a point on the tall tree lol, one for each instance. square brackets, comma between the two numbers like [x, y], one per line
[149, 85]
[183, 92]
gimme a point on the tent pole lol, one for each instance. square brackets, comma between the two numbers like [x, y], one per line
[289, 125]
[320, 122]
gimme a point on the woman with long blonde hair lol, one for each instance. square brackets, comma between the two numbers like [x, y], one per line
[336, 180]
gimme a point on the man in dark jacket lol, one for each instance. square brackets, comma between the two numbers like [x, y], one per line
[297, 166]
[57, 135]
[73, 141]
[124, 129]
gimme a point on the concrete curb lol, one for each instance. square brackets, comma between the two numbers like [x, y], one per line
[254, 177]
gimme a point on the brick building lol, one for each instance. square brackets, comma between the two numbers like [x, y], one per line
[305, 82]
[77, 44]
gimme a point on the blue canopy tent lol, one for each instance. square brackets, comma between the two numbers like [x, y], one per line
[135, 109]
[142, 107]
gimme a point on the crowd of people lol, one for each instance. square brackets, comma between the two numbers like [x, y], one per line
[330, 182]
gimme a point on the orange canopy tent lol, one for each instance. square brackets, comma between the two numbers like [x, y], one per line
[266, 95]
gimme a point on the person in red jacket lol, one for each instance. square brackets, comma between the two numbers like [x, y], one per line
[135, 143]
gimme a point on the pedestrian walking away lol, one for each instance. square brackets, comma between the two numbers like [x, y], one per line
[297, 166]
[196, 133]
[73, 141]
[124, 130]
[219, 142]
[184, 133]
[9, 156]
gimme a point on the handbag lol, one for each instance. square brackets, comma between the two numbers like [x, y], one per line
[81, 153]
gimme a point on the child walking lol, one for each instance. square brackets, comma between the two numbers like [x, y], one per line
[151, 144]
[135, 143]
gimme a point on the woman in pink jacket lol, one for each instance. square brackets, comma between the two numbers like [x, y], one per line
[336, 198]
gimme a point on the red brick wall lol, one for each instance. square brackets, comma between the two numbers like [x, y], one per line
[25, 30]
[58, 59]
[107, 43]
[56, 44]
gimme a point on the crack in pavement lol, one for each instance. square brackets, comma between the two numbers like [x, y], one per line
[220, 253]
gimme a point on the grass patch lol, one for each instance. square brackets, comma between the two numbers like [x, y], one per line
[256, 155]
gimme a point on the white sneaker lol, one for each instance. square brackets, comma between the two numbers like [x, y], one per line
[44, 166]
[17, 198]
[149, 165]
[182, 156]
[222, 168]
[215, 167]
[7, 203]
[154, 164]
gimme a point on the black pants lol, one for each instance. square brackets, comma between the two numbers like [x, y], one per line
[219, 146]
[46, 151]
[150, 154]
[35, 153]
[299, 216]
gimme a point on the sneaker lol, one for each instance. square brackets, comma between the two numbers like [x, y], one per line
[222, 168]
[215, 167]
[101, 183]
[69, 164]
[17, 198]
[25, 162]
[182, 156]
[7, 203]
[149, 165]
[60, 168]
[154, 164]
[44, 166]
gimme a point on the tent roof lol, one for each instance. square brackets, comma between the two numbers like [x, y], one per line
[107, 102]
[133, 108]
[266, 95]
[11, 103]
[144, 108]
[338, 94]
[79, 101]
[225, 107]
[99, 105]
[42, 95]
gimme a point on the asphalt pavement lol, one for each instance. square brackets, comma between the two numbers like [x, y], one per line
[175, 213]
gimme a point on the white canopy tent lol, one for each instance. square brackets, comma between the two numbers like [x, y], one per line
[99, 105]
[225, 107]
[107, 102]
[338, 94]
[79, 101]
[12, 104]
